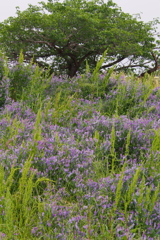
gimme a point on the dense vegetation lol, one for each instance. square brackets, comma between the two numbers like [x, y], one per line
[65, 35]
[80, 157]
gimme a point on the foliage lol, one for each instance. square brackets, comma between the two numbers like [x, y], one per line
[20, 80]
[19, 204]
[3, 79]
[65, 35]
[19, 76]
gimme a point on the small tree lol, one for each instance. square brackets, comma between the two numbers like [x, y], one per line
[65, 35]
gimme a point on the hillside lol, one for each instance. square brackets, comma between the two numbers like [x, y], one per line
[80, 157]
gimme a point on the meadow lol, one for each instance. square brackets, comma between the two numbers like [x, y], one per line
[80, 157]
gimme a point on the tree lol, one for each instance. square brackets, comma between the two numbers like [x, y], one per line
[65, 35]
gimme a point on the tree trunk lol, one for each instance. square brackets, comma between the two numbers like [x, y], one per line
[72, 69]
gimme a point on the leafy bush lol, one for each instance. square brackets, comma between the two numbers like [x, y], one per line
[20, 77]
[3, 88]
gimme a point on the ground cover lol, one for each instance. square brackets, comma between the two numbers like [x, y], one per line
[80, 157]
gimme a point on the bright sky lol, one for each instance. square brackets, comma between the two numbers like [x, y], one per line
[149, 9]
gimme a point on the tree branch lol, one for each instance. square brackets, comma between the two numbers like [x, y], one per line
[155, 68]
[113, 63]
[85, 56]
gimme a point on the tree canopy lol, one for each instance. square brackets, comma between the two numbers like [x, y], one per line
[64, 35]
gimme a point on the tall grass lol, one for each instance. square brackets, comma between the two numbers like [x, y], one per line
[20, 202]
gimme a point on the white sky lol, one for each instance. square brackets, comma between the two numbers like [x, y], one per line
[149, 9]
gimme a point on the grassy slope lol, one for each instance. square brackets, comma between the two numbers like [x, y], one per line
[79, 157]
